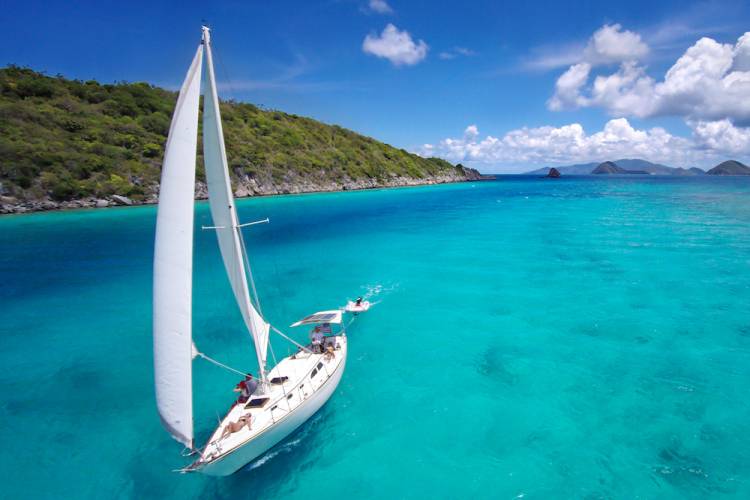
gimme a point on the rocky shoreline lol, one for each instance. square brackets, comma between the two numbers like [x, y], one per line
[246, 187]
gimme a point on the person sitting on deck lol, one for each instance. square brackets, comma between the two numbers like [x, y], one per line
[246, 388]
[317, 340]
[330, 354]
[233, 427]
[358, 302]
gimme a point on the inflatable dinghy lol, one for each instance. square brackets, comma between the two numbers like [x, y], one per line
[357, 306]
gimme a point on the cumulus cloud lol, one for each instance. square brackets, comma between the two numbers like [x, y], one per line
[611, 44]
[710, 81]
[471, 132]
[380, 6]
[568, 88]
[742, 54]
[396, 46]
[571, 144]
[722, 135]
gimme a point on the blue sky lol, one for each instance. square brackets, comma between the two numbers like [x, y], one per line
[500, 86]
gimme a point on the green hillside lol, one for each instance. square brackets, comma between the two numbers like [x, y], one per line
[65, 139]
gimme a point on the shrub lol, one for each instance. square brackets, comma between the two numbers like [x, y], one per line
[71, 138]
[151, 150]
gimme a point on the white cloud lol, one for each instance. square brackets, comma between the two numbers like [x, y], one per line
[553, 56]
[722, 135]
[610, 44]
[456, 52]
[568, 88]
[471, 132]
[629, 91]
[380, 6]
[710, 81]
[396, 46]
[711, 141]
[742, 54]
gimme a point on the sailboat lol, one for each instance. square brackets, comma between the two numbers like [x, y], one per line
[287, 394]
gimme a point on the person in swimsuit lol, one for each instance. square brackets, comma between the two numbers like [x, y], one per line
[233, 427]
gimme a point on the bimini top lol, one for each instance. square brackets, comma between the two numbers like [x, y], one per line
[333, 316]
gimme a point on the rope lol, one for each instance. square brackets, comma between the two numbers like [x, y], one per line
[283, 390]
[224, 68]
[249, 272]
[273, 355]
[219, 364]
[290, 340]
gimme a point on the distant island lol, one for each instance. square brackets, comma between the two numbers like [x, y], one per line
[643, 167]
[609, 167]
[69, 144]
[730, 167]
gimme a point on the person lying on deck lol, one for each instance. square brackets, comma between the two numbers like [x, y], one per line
[233, 427]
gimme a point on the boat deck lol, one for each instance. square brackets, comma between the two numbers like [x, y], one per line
[297, 378]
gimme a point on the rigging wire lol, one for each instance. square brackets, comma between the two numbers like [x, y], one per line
[247, 268]
[232, 97]
[244, 268]
[251, 277]
[219, 364]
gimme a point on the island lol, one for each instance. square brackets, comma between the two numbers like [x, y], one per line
[70, 144]
[730, 167]
[609, 168]
[633, 165]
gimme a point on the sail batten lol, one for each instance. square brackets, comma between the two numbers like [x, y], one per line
[173, 264]
[224, 213]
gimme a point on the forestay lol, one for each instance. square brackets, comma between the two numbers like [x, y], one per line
[223, 210]
[173, 264]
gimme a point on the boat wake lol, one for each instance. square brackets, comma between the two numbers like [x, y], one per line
[372, 292]
[376, 290]
[283, 448]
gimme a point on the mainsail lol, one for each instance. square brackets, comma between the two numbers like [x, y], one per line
[173, 264]
[223, 210]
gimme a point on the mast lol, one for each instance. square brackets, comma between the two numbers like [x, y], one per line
[224, 213]
[173, 264]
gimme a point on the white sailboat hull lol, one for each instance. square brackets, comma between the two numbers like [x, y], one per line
[230, 461]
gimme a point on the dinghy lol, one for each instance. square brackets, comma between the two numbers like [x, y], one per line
[288, 393]
[357, 306]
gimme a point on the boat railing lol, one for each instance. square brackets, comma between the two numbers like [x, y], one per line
[276, 405]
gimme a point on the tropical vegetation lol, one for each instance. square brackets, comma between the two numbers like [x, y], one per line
[68, 139]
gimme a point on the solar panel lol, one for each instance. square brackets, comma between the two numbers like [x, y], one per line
[317, 318]
[321, 317]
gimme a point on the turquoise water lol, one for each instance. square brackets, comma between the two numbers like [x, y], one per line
[580, 338]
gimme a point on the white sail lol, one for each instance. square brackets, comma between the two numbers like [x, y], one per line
[173, 264]
[223, 210]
